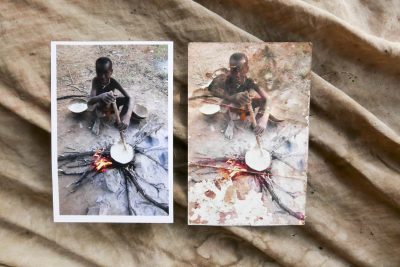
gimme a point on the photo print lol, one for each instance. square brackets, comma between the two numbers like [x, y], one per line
[112, 131]
[248, 126]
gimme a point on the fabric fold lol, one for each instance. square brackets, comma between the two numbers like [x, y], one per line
[352, 210]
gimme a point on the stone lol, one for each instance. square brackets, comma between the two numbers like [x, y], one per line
[112, 179]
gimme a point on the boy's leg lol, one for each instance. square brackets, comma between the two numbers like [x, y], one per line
[233, 114]
[259, 103]
[231, 125]
[97, 122]
[122, 101]
[127, 109]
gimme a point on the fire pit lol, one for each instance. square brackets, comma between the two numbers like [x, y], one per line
[98, 161]
[231, 168]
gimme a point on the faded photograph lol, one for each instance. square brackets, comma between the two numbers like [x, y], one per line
[248, 118]
[113, 145]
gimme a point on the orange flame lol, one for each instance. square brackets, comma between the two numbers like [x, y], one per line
[235, 168]
[100, 163]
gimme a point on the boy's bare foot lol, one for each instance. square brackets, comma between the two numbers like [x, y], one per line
[229, 130]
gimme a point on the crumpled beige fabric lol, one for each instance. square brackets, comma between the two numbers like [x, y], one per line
[353, 198]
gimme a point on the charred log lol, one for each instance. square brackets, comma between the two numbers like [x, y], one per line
[75, 185]
[71, 96]
[131, 175]
[265, 184]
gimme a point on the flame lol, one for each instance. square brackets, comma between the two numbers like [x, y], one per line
[235, 168]
[100, 163]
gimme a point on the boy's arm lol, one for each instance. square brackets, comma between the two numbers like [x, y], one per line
[264, 98]
[94, 98]
[263, 111]
[216, 89]
[220, 92]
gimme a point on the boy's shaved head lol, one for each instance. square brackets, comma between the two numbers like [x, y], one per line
[238, 61]
[103, 64]
[238, 64]
[104, 69]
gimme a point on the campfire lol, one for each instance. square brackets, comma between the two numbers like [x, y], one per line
[235, 168]
[98, 161]
[231, 167]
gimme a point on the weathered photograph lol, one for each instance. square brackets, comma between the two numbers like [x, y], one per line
[248, 120]
[112, 131]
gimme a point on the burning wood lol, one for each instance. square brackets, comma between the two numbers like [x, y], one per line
[231, 168]
[100, 163]
[236, 168]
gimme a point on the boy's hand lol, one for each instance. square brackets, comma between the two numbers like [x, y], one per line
[242, 98]
[108, 97]
[123, 125]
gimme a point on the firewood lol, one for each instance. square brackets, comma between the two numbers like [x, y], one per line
[131, 175]
[152, 159]
[75, 185]
[268, 186]
[131, 211]
[70, 96]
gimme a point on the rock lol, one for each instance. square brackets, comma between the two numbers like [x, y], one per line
[112, 179]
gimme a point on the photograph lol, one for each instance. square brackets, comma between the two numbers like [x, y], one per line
[112, 123]
[248, 128]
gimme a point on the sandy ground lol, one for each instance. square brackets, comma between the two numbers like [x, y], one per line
[143, 73]
[284, 71]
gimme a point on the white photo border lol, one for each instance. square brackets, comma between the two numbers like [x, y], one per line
[109, 218]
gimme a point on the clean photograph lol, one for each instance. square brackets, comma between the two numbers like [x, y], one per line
[112, 131]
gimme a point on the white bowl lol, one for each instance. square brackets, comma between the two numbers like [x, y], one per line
[209, 109]
[78, 106]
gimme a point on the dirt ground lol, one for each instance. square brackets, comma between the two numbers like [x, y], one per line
[142, 70]
[283, 70]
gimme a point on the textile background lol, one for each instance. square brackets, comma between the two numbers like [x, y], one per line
[353, 197]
